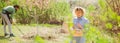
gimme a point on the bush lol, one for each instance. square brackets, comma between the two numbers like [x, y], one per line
[41, 11]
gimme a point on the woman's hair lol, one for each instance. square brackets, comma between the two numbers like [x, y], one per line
[16, 6]
[78, 9]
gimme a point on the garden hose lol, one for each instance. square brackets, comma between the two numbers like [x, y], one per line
[19, 30]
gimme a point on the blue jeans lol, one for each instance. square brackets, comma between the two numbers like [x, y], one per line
[78, 39]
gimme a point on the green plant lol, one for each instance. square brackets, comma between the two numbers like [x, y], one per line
[38, 39]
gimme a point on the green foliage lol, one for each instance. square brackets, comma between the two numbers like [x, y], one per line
[22, 16]
[91, 8]
[61, 9]
[106, 19]
[38, 39]
[108, 25]
[14, 1]
[102, 3]
[30, 12]
[96, 36]
[56, 11]
[107, 16]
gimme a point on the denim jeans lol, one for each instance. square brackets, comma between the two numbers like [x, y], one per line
[78, 39]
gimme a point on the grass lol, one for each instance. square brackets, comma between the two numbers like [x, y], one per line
[23, 28]
[92, 35]
[26, 29]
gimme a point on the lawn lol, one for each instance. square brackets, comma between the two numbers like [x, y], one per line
[51, 34]
[30, 34]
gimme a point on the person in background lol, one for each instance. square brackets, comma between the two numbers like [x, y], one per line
[7, 14]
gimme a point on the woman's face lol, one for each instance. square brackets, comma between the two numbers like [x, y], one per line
[16, 8]
[79, 13]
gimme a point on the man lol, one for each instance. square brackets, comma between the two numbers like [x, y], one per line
[7, 13]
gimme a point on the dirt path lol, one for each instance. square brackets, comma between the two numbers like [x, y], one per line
[49, 34]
